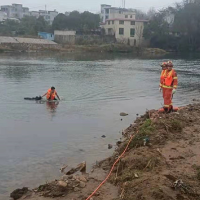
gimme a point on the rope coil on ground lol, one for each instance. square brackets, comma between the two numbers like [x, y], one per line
[111, 169]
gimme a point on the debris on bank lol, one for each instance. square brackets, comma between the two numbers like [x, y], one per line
[162, 162]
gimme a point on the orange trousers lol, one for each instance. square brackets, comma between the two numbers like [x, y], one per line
[167, 96]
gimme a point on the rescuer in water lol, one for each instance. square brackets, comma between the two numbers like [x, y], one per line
[51, 94]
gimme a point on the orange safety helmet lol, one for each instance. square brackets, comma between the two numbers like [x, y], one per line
[170, 64]
[164, 64]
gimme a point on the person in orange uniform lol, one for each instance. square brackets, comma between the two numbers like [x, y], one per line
[169, 86]
[51, 94]
[162, 76]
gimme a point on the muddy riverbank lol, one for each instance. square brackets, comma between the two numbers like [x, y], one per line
[162, 161]
[111, 48]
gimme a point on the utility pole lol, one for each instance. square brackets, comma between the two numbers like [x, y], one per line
[45, 8]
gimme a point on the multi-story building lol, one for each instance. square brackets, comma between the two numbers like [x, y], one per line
[123, 25]
[52, 15]
[3, 16]
[48, 15]
[15, 11]
[104, 12]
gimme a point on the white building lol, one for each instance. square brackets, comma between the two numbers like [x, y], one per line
[15, 11]
[3, 16]
[52, 15]
[122, 24]
[104, 12]
[48, 15]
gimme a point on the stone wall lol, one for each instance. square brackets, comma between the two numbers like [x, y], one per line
[29, 47]
[64, 39]
[84, 39]
[25, 40]
[94, 39]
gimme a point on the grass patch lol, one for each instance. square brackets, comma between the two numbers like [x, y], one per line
[197, 168]
[152, 163]
[170, 125]
[175, 126]
[123, 176]
[143, 134]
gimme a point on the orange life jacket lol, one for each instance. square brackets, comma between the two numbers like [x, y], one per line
[51, 95]
[168, 79]
[162, 77]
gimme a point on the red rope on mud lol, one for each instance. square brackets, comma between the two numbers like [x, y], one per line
[111, 169]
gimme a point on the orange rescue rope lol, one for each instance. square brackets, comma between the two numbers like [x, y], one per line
[111, 169]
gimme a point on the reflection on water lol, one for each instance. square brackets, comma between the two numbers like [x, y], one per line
[51, 108]
[36, 138]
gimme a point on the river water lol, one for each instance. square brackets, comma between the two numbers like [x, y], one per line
[36, 139]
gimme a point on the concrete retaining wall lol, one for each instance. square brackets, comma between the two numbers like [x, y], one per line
[94, 39]
[65, 39]
[23, 47]
[84, 39]
[14, 40]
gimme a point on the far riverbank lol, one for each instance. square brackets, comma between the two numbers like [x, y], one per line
[104, 48]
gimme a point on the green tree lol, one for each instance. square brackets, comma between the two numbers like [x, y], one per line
[31, 25]
[175, 28]
[60, 22]
[9, 27]
[76, 21]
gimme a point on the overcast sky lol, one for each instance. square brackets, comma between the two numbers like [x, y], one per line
[89, 5]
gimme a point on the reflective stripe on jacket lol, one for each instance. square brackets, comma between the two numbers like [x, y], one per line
[162, 77]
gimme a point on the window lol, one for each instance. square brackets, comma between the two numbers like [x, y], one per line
[107, 11]
[126, 16]
[121, 31]
[121, 22]
[131, 16]
[108, 22]
[120, 12]
[133, 23]
[113, 22]
[132, 32]
[106, 17]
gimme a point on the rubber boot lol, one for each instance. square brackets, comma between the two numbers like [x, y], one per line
[165, 109]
